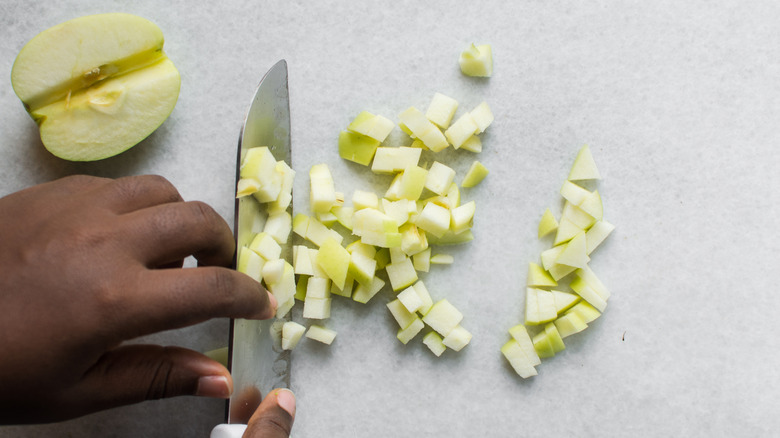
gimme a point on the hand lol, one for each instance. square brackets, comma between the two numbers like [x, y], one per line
[87, 263]
[274, 417]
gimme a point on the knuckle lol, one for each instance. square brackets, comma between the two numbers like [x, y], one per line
[138, 186]
[211, 222]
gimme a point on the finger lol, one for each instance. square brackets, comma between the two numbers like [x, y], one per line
[134, 373]
[132, 193]
[274, 418]
[175, 298]
[244, 404]
[164, 233]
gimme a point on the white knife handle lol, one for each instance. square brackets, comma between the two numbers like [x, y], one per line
[228, 431]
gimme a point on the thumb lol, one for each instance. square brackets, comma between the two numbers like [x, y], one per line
[134, 373]
[274, 417]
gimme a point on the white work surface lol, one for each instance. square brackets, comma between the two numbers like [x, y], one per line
[680, 104]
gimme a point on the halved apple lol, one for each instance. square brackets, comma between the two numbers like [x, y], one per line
[96, 85]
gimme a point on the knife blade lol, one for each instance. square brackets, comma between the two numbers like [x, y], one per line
[256, 362]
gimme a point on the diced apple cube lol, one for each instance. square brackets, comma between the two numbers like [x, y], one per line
[401, 274]
[442, 259]
[564, 301]
[570, 324]
[539, 306]
[593, 206]
[460, 131]
[284, 290]
[323, 193]
[520, 334]
[547, 224]
[273, 271]
[370, 125]
[301, 286]
[265, 245]
[357, 148]
[434, 139]
[538, 277]
[574, 252]
[440, 177]
[407, 333]
[246, 187]
[344, 216]
[285, 194]
[422, 260]
[257, 163]
[411, 183]
[318, 287]
[316, 308]
[425, 297]
[574, 193]
[589, 294]
[441, 110]
[589, 277]
[472, 144]
[476, 173]
[518, 359]
[482, 117]
[477, 60]
[321, 334]
[334, 259]
[443, 317]
[250, 263]
[433, 341]
[597, 234]
[577, 216]
[457, 338]
[270, 187]
[401, 314]
[362, 267]
[462, 217]
[398, 210]
[364, 199]
[585, 311]
[300, 224]
[395, 159]
[434, 219]
[345, 291]
[278, 226]
[584, 167]
[363, 294]
[292, 332]
[412, 240]
[317, 233]
[566, 231]
[414, 122]
[410, 299]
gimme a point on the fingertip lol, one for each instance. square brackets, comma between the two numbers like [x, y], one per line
[214, 386]
[286, 400]
[273, 304]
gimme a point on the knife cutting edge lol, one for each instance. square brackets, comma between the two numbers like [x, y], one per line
[255, 358]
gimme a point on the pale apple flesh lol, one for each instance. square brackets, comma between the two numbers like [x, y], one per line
[96, 85]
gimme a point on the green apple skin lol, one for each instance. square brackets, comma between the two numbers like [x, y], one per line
[96, 85]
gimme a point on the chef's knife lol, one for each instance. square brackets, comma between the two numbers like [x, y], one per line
[256, 362]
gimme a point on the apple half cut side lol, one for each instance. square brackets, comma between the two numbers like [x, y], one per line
[96, 85]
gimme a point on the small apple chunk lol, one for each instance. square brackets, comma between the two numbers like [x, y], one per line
[476, 173]
[321, 334]
[292, 332]
[477, 60]
[96, 85]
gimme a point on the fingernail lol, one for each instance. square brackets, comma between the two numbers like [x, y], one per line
[274, 303]
[213, 386]
[286, 400]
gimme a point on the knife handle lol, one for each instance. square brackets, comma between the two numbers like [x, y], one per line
[228, 431]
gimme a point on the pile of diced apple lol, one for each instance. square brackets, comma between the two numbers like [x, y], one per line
[557, 310]
[354, 247]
